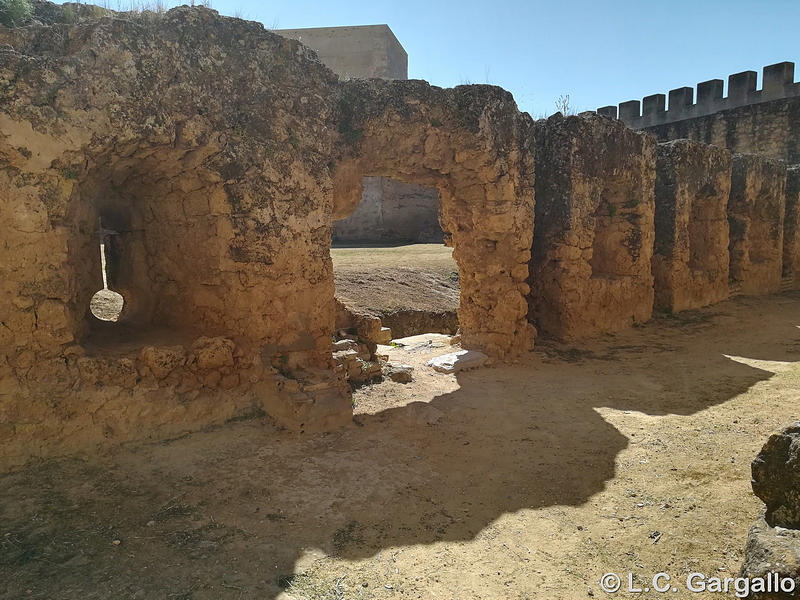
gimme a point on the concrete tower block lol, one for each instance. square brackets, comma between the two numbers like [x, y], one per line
[791, 226]
[756, 214]
[590, 265]
[690, 257]
[361, 51]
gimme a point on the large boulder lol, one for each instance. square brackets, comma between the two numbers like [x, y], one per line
[772, 550]
[776, 477]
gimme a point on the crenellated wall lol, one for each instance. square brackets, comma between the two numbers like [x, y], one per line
[765, 121]
[777, 84]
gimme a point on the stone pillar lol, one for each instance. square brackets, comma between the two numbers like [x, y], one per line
[755, 214]
[791, 226]
[690, 257]
[590, 265]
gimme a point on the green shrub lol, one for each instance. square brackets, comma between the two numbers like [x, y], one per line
[15, 12]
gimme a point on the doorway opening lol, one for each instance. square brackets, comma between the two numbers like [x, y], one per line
[390, 259]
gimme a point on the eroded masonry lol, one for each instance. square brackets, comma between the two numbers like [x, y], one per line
[210, 159]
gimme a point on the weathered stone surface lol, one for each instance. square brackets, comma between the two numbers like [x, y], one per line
[768, 128]
[473, 145]
[791, 226]
[458, 361]
[755, 215]
[218, 154]
[590, 266]
[213, 353]
[771, 550]
[776, 477]
[690, 254]
[162, 361]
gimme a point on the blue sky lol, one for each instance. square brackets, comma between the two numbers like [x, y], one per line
[599, 52]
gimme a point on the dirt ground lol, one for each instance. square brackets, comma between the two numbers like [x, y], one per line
[421, 277]
[628, 453]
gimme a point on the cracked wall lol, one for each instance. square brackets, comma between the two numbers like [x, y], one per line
[590, 265]
[690, 255]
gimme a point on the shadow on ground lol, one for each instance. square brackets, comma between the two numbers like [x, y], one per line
[227, 513]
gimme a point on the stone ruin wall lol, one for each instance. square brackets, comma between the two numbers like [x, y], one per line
[763, 122]
[755, 214]
[217, 156]
[690, 255]
[479, 156]
[221, 167]
[590, 265]
[390, 211]
[791, 225]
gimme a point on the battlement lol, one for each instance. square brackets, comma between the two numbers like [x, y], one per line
[777, 83]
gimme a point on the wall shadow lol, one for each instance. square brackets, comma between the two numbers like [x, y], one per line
[228, 513]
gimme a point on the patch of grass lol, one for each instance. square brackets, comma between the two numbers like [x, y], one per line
[69, 173]
[350, 134]
[15, 12]
[165, 513]
[347, 535]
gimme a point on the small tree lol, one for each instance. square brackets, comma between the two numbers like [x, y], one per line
[15, 12]
[563, 106]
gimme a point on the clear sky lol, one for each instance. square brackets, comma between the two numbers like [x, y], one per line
[599, 52]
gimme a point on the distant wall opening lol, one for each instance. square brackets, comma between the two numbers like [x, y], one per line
[392, 212]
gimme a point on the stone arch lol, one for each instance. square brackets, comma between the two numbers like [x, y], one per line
[473, 145]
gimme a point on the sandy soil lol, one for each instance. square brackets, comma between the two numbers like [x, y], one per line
[626, 453]
[383, 279]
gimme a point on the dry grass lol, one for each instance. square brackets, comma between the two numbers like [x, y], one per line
[383, 279]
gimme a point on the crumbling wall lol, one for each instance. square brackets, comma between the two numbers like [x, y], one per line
[772, 551]
[475, 147]
[208, 147]
[690, 255]
[205, 144]
[791, 226]
[755, 214]
[590, 265]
